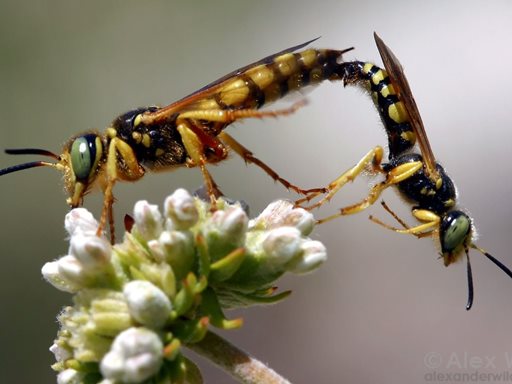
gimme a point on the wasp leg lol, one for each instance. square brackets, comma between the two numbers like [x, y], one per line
[249, 157]
[418, 231]
[195, 149]
[395, 176]
[392, 213]
[128, 169]
[373, 157]
[430, 224]
[402, 223]
[228, 116]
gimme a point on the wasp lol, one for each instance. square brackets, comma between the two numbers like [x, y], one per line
[417, 175]
[187, 133]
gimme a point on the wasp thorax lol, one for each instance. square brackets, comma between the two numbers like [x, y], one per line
[454, 232]
[85, 153]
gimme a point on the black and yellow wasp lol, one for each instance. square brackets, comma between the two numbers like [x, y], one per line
[189, 132]
[418, 176]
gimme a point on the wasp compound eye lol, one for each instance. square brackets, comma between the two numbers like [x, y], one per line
[454, 230]
[85, 154]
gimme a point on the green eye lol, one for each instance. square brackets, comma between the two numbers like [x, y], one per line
[454, 230]
[85, 153]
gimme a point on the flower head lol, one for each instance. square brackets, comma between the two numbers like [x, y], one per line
[138, 302]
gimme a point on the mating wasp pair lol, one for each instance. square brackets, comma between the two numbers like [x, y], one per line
[191, 133]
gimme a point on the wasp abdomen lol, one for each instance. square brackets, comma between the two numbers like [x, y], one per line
[264, 83]
[394, 116]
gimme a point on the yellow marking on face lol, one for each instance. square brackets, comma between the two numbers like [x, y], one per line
[159, 152]
[309, 58]
[398, 113]
[261, 75]
[424, 191]
[137, 137]
[449, 203]
[439, 183]
[286, 64]
[111, 132]
[137, 120]
[146, 140]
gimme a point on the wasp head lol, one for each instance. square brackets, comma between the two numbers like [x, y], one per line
[455, 232]
[81, 161]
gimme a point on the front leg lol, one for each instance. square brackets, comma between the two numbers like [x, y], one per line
[373, 157]
[121, 165]
[393, 177]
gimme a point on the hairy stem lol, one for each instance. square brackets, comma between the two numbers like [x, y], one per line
[236, 362]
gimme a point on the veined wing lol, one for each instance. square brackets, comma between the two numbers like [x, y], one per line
[212, 88]
[403, 90]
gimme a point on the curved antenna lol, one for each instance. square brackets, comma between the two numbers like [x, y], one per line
[31, 151]
[498, 263]
[21, 167]
[470, 282]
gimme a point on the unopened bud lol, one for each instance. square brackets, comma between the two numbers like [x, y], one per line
[180, 208]
[136, 355]
[148, 219]
[313, 255]
[147, 304]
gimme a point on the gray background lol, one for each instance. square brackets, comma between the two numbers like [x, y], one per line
[383, 308]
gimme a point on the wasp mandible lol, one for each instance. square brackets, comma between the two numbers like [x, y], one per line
[417, 176]
[189, 132]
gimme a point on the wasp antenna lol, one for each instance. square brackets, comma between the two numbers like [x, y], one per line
[498, 263]
[21, 167]
[31, 151]
[470, 283]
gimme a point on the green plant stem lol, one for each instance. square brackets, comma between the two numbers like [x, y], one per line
[243, 367]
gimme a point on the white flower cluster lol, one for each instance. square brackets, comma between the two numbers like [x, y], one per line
[139, 299]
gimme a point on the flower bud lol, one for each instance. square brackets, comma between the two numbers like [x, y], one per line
[70, 376]
[282, 245]
[148, 219]
[313, 255]
[178, 251]
[71, 270]
[147, 304]
[180, 208]
[229, 225]
[136, 355]
[60, 353]
[272, 215]
[283, 213]
[92, 252]
[52, 275]
[301, 219]
[80, 220]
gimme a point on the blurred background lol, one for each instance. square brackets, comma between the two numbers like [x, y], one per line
[383, 308]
